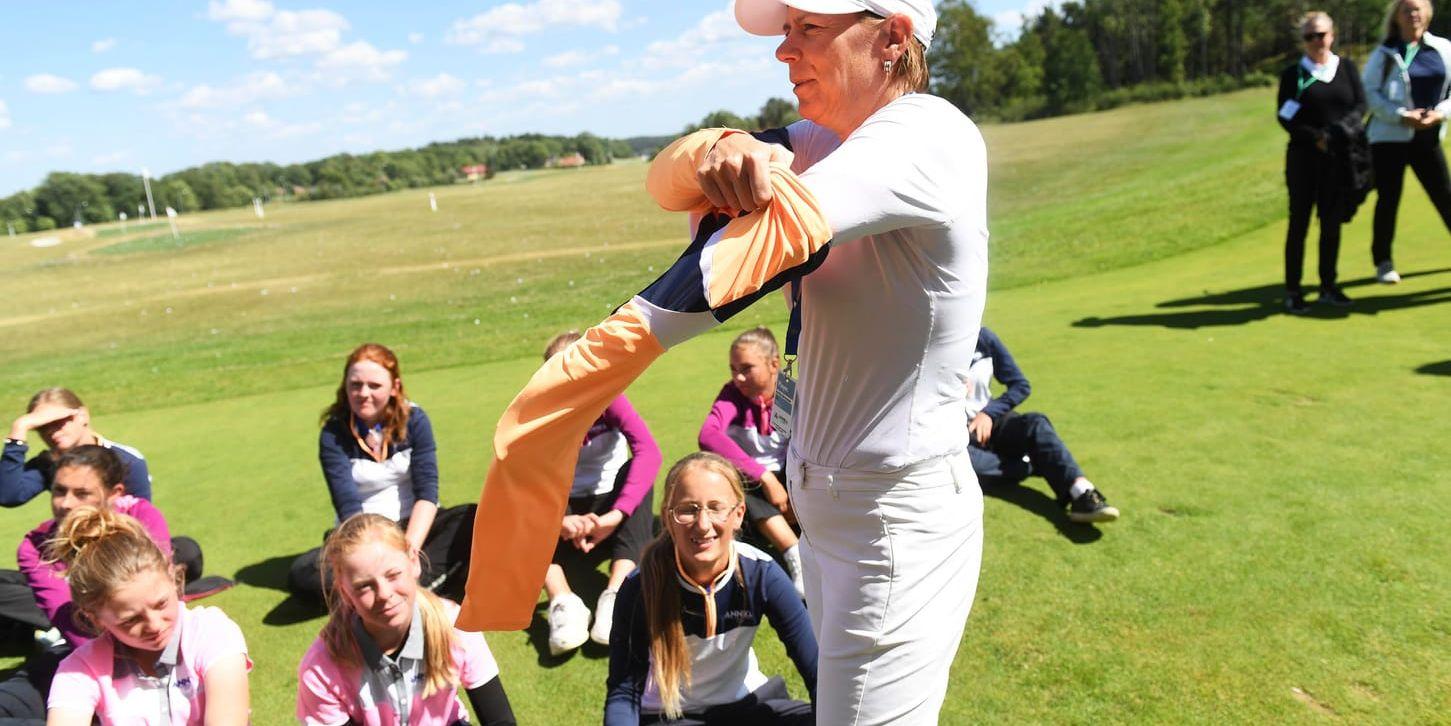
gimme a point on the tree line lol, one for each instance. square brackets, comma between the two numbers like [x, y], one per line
[1093, 54]
[64, 198]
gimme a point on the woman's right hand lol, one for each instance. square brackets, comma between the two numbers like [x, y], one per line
[39, 417]
[735, 175]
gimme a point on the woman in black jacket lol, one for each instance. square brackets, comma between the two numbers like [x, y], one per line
[1317, 94]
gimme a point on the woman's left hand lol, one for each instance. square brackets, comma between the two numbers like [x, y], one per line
[1430, 119]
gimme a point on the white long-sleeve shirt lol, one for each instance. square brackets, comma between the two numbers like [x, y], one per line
[890, 320]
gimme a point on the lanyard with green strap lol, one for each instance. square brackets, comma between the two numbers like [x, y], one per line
[1306, 80]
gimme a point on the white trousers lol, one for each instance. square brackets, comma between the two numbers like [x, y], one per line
[891, 564]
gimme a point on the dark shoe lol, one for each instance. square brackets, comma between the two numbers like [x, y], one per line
[1334, 296]
[1295, 303]
[205, 587]
[1090, 506]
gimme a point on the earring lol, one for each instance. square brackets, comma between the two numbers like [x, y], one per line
[887, 66]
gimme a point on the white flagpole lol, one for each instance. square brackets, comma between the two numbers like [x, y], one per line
[146, 180]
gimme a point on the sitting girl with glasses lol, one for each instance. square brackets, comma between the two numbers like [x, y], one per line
[684, 623]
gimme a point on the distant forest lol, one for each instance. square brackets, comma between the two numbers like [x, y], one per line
[1095, 54]
[1082, 56]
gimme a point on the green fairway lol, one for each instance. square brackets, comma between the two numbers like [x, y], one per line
[1282, 555]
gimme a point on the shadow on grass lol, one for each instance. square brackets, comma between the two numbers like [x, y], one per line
[1251, 304]
[1436, 369]
[1043, 505]
[271, 574]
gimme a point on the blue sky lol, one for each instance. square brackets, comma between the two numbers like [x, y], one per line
[103, 86]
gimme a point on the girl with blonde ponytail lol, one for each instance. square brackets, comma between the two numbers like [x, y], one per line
[680, 649]
[388, 636]
[153, 661]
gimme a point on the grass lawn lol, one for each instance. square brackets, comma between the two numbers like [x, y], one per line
[1283, 554]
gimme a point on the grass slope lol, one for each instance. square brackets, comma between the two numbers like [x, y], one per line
[1281, 557]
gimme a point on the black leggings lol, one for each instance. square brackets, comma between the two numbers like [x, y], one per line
[446, 550]
[1423, 154]
[1310, 176]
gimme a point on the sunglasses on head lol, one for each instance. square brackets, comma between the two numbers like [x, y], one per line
[1315, 36]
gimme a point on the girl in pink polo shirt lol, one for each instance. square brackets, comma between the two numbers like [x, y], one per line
[389, 654]
[154, 661]
[739, 428]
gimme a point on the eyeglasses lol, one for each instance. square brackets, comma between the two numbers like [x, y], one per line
[1315, 36]
[689, 513]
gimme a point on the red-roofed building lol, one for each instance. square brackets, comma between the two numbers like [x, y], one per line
[475, 172]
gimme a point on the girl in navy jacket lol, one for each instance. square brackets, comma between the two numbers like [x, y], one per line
[378, 456]
[680, 650]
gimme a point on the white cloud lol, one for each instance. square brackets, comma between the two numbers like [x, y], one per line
[361, 60]
[273, 33]
[239, 10]
[47, 83]
[254, 87]
[290, 33]
[415, 38]
[505, 45]
[114, 157]
[4, 116]
[103, 45]
[715, 28]
[578, 57]
[259, 119]
[441, 85]
[124, 79]
[498, 29]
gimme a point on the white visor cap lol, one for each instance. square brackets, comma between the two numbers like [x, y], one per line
[768, 17]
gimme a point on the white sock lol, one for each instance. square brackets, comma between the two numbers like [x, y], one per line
[1079, 487]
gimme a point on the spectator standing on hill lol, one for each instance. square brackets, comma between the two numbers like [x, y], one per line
[684, 626]
[1407, 82]
[378, 456]
[63, 423]
[1000, 437]
[878, 473]
[610, 510]
[1321, 103]
[738, 428]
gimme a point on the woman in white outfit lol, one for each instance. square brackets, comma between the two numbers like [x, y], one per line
[877, 468]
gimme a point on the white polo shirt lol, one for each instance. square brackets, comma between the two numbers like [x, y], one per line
[890, 320]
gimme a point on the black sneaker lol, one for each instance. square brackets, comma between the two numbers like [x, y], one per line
[1335, 296]
[1090, 506]
[1295, 303]
[205, 587]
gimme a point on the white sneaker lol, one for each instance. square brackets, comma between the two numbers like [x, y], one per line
[568, 623]
[49, 638]
[792, 557]
[1386, 274]
[604, 618]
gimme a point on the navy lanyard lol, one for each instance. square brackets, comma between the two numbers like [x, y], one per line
[793, 328]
